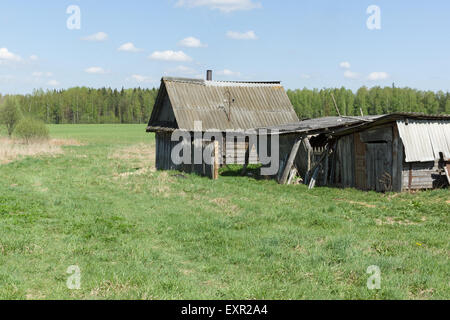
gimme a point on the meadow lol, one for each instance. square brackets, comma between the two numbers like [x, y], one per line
[136, 233]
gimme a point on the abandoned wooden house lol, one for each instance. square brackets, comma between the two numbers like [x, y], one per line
[395, 152]
[204, 106]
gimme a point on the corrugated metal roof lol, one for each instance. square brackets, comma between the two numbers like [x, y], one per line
[324, 123]
[388, 118]
[228, 105]
[424, 139]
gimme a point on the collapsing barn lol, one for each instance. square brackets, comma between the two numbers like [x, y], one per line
[198, 107]
[395, 152]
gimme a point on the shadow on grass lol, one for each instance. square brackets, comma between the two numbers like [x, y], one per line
[253, 171]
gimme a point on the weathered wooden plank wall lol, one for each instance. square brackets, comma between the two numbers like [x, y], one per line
[304, 158]
[286, 143]
[345, 162]
[164, 147]
[235, 152]
[360, 163]
[420, 175]
[374, 159]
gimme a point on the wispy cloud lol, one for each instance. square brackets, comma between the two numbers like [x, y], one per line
[96, 37]
[6, 78]
[128, 47]
[95, 70]
[169, 55]
[378, 76]
[351, 75]
[192, 42]
[53, 83]
[182, 70]
[345, 65]
[140, 78]
[34, 57]
[249, 35]
[229, 73]
[225, 6]
[42, 74]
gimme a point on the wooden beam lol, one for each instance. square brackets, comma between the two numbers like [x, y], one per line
[315, 170]
[335, 104]
[447, 173]
[312, 183]
[290, 162]
[292, 174]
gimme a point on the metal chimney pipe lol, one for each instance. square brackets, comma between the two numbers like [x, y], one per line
[209, 75]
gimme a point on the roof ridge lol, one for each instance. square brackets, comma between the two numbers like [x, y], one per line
[206, 82]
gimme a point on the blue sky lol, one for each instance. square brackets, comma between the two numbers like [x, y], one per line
[313, 44]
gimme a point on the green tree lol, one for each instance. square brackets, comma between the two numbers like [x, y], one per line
[30, 129]
[10, 114]
[447, 107]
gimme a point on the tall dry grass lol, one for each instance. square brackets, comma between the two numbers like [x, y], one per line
[12, 149]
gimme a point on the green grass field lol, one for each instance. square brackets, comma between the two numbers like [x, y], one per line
[140, 234]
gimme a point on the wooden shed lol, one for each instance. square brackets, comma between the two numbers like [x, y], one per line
[197, 106]
[395, 152]
[303, 143]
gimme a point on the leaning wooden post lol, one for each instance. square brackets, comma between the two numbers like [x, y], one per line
[216, 161]
[290, 162]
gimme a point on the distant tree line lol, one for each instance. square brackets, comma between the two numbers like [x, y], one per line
[374, 101]
[86, 105]
[105, 105]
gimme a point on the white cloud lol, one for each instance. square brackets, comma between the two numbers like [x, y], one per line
[229, 73]
[42, 74]
[191, 42]
[129, 47]
[96, 37]
[249, 35]
[345, 65]
[351, 75]
[53, 83]
[169, 55]
[34, 57]
[305, 76]
[7, 56]
[226, 6]
[140, 78]
[377, 76]
[95, 70]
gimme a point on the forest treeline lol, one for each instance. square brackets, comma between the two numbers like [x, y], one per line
[85, 105]
[374, 101]
[105, 105]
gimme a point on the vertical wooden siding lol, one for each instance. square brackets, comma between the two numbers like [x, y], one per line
[164, 147]
[345, 162]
